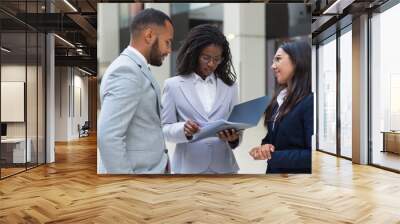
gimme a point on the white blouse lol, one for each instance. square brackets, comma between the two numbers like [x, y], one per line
[206, 90]
[280, 99]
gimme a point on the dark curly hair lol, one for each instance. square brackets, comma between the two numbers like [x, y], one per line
[199, 38]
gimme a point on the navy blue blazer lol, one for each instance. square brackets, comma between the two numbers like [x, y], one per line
[291, 137]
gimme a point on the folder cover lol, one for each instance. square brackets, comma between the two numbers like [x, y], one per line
[244, 115]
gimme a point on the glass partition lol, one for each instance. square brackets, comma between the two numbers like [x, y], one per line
[22, 77]
[13, 105]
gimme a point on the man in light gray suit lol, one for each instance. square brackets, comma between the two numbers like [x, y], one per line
[130, 135]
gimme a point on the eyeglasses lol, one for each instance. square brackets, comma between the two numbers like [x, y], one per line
[206, 59]
[276, 60]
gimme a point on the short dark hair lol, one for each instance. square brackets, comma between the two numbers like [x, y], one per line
[199, 38]
[148, 17]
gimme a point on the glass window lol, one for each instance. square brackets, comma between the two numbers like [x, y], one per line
[327, 95]
[385, 89]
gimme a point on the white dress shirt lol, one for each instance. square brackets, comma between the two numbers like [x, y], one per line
[140, 55]
[280, 99]
[206, 90]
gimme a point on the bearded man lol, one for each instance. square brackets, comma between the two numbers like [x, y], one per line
[130, 135]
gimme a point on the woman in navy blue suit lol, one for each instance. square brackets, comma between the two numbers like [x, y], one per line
[289, 116]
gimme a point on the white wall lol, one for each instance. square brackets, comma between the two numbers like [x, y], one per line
[17, 73]
[61, 103]
[13, 76]
[70, 83]
[107, 35]
[82, 82]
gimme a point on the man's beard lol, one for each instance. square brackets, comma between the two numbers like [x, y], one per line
[155, 57]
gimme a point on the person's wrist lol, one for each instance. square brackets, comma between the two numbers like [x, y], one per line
[234, 141]
[233, 144]
[189, 137]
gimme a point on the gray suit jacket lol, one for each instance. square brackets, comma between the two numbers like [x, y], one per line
[180, 103]
[130, 136]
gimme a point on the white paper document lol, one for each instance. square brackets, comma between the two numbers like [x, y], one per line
[244, 115]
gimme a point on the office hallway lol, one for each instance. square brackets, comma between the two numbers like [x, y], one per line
[70, 191]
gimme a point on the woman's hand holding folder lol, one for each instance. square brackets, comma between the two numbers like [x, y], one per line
[190, 128]
[229, 135]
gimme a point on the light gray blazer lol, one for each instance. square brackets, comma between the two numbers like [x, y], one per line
[130, 136]
[180, 103]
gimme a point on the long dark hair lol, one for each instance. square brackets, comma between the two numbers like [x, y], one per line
[199, 38]
[300, 55]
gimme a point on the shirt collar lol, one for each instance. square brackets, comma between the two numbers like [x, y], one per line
[282, 96]
[140, 55]
[210, 79]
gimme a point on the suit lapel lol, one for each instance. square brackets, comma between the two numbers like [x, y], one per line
[189, 92]
[147, 73]
[222, 91]
[154, 84]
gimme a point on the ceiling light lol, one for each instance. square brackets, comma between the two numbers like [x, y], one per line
[65, 41]
[337, 7]
[5, 50]
[86, 72]
[70, 5]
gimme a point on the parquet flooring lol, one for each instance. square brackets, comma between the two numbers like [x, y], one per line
[10, 171]
[70, 191]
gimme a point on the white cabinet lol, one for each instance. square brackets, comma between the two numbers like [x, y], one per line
[18, 149]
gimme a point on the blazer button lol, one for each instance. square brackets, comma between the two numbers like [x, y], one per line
[166, 150]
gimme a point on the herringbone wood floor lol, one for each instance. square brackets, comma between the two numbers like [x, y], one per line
[70, 191]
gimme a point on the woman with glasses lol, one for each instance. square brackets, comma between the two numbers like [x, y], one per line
[204, 90]
[289, 117]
